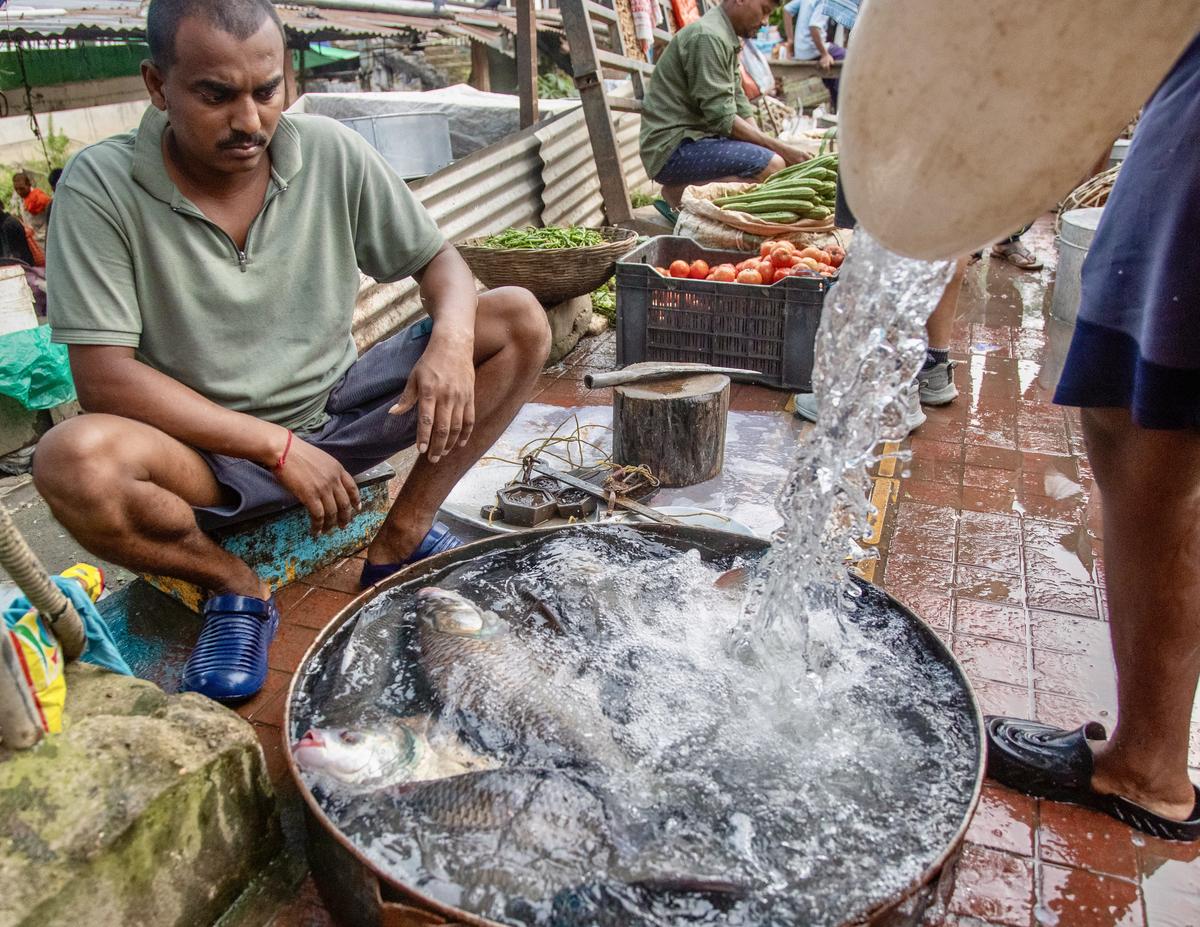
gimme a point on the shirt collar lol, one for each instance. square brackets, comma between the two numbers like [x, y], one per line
[151, 173]
[723, 18]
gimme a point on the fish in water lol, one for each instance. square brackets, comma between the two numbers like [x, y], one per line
[371, 758]
[505, 692]
[520, 834]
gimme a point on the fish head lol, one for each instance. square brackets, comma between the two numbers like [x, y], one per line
[449, 613]
[359, 759]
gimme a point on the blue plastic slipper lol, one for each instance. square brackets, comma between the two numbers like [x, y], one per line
[229, 662]
[437, 540]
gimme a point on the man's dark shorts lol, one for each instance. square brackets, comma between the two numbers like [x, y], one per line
[703, 160]
[359, 434]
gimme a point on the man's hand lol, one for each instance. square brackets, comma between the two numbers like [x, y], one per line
[442, 387]
[321, 484]
[791, 154]
[826, 61]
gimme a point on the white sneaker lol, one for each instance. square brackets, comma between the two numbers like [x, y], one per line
[914, 417]
[937, 384]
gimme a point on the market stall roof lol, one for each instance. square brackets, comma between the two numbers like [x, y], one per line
[303, 24]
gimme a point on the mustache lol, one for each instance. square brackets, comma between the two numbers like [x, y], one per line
[241, 140]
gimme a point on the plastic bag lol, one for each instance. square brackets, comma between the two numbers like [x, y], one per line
[34, 371]
[709, 233]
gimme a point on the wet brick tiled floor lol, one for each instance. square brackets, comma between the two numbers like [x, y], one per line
[995, 539]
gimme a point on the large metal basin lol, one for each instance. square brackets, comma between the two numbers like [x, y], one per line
[360, 894]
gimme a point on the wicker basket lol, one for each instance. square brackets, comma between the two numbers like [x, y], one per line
[553, 275]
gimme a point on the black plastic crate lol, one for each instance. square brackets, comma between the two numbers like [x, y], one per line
[768, 328]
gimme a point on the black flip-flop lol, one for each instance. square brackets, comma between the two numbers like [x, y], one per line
[1048, 762]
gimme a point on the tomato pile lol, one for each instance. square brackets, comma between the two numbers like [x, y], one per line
[776, 260]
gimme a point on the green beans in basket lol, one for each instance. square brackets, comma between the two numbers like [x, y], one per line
[541, 239]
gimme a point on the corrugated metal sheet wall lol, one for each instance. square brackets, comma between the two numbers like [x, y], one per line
[546, 177]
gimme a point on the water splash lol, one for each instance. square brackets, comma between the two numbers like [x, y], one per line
[869, 348]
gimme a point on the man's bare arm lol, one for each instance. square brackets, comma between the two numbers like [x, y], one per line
[746, 131]
[442, 383]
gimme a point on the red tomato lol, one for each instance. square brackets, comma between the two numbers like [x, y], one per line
[781, 273]
[699, 269]
[723, 274]
[766, 270]
[742, 265]
[749, 276]
[765, 248]
[663, 271]
[680, 269]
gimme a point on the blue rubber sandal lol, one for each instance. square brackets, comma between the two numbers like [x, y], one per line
[229, 662]
[437, 540]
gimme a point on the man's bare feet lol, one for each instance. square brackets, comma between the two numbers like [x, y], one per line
[1175, 801]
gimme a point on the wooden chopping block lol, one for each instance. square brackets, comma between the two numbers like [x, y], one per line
[676, 427]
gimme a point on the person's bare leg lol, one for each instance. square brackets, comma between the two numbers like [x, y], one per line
[940, 326]
[512, 341]
[1149, 482]
[673, 192]
[125, 491]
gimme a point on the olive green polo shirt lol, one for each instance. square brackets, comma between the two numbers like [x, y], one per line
[264, 331]
[695, 91]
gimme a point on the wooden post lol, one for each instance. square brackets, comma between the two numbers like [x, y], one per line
[675, 427]
[481, 70]
[590, 81]
[527, 62]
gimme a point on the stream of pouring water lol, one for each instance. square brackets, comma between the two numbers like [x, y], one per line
[869, 347]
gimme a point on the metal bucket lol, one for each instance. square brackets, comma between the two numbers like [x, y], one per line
[1078, 230]
[360, 894]
[413, 144]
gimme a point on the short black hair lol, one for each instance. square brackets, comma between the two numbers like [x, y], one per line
[239, 18]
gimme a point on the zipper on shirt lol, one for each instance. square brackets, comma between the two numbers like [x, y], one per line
[242, 254]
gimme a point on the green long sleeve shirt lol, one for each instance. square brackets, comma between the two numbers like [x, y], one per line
[695, 91]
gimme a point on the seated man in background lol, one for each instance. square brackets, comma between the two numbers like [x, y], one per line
[203, 272]
[696, 126]
[804, 24]
[33, 205]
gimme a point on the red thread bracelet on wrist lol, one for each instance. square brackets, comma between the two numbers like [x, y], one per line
[283, 457]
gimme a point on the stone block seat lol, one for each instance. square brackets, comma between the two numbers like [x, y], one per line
[279, 545]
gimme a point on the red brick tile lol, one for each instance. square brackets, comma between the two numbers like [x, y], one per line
[1039, 506]
[341, 576]
[934, 471]
[976, 549]
[1004, 820]
[998, 527]
[943, 430]
[1090, 678]
[271, 740]
[289, 647]
[912, 573]
[911, 543]
[912, 490]
[1073, 598]
[994, 886]
[985, 500]
[1058, 565]
[993, 660]
[929, 519]
[748, 397]
[277, 681]
[996, 698]
[930, 449]
[993, 479]
[988, 619]
[291, 595]
[1073, 836]
[974, 582]
[1074, 898]
[997, 457]
[1068, 633]
[930, 606]
[1069, 713]
[318, 608]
